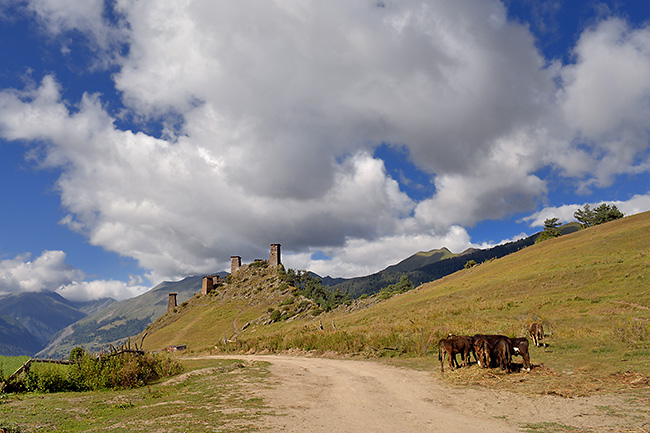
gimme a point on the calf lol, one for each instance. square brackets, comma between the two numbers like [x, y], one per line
[450, 347]
[536, 331]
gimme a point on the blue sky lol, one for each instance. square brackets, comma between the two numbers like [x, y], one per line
[150, 140]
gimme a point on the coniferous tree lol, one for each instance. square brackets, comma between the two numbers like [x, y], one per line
[588, 217]
[551, 230]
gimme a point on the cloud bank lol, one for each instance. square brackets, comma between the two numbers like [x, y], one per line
[50, 272]
[270, 112]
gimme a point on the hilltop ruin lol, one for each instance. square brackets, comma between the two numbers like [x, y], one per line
[212, 281]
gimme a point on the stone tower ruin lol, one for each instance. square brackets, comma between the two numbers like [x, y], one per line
[208, 285]
[274, 259]
[171, 303]
[210, 282]
[235, 264]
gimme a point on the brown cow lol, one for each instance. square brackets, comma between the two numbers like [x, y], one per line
[490, 339]
[482, 351]
[485, 343]
[450, 347]
[470, 342]
[503, 351]
[520, 347]
[536, 331]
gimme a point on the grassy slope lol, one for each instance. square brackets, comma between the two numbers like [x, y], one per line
[206, 319]
[10, 364]
[589, 289]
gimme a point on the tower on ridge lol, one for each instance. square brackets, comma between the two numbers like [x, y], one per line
[235, 264]
[171, 303]
[274, 259]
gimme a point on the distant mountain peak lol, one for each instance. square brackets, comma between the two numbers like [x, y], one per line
[443, 250]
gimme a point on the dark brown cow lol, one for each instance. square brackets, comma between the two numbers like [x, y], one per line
[536, 331]
[486, 343]
[520, 347]
[491, 339]
[503, 351]
[470, 342]
[451, 347]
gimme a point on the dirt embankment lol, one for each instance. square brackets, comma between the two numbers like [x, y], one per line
[328, 395]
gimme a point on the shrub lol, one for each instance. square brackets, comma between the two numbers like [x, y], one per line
[276, 315]
[76, 354]
[9, 428]
[47, 378]
[89, 372]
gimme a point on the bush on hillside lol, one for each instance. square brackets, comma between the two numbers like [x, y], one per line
[470, 264]
[403, 286]
[312, 288]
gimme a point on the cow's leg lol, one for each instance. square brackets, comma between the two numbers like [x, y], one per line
[526, 360]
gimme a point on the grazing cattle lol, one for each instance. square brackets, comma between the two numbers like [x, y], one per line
[490, 339]
[486, 344]
[536, 331]
[503, 351]
[469, 340]
[482, 351]
[520, 347]
[450, 347]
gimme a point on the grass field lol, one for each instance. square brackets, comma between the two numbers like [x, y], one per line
[11, 363]
[218, 394]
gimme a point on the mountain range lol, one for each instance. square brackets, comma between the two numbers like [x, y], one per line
[426, 266]
[29, 320]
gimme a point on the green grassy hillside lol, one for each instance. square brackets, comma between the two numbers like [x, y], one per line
[589, 289]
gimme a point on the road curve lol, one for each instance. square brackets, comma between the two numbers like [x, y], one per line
[341, 395]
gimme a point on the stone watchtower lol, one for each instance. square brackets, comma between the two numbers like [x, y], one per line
[235, 264]
[274, 259]
[208, 285]
[171, 303]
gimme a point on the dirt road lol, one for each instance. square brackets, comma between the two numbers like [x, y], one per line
[333, 395]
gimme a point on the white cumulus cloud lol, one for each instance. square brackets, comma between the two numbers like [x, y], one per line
[270, 112]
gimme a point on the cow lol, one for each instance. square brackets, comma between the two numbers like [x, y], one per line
[520, 347]
[482, 351]
[503, 353]
[490, 339]
[485, 343]
[536, 331]
[470, 342]
[450, 347]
